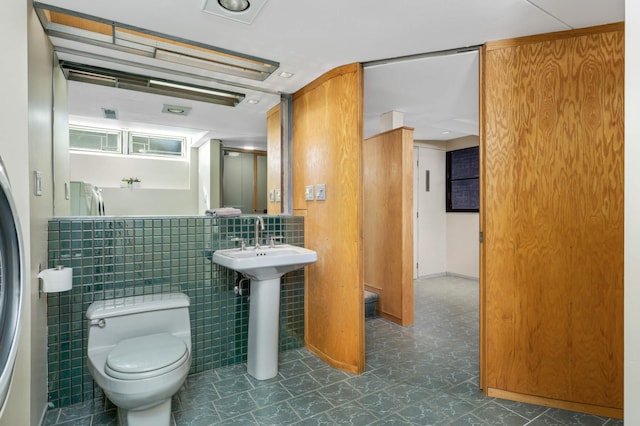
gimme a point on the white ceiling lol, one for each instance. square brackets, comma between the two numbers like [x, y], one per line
[310, 37]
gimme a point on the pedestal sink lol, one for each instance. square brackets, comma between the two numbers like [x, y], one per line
[264, 266]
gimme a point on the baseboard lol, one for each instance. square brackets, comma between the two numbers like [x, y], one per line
[439, 274]
[468, 277]
[353, 369]
[448, 274]
[597, 410]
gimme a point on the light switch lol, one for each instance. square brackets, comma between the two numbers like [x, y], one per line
[278, 196]
[38, 183]
[308, 192]
[321, 194]
[272, 195]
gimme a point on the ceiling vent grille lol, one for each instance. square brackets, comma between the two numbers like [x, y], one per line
[109, 113]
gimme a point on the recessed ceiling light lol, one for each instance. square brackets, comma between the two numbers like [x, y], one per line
[446, 132]
[235, 5]
[285, 74]
[176, 109]
[244, 11]
[253, 101]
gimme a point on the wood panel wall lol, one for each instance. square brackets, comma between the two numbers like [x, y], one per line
[552, 216]
[388, 222]
[274, 158]
[327, 148]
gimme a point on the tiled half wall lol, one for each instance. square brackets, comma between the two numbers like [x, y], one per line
[125, 256]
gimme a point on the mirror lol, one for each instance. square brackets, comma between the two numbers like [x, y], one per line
[111, 171]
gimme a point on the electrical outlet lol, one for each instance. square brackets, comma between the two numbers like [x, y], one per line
[308, 192]
[272, 195]
[321, 194]
[278, 196]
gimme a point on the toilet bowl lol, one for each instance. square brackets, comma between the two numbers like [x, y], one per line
[139, 353]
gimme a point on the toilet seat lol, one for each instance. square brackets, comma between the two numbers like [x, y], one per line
[146, 356]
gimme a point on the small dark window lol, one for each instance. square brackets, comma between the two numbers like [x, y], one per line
[463, 180]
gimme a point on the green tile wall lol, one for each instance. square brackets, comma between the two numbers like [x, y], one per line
[124, 256]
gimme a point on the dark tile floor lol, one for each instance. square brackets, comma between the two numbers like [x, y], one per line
[426, 374]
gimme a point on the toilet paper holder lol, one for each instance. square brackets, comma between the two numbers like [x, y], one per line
[54, 280]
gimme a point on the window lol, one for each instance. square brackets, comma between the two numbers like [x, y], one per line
[96, 140]
[463, 180]
[126, 143]
[143, 144]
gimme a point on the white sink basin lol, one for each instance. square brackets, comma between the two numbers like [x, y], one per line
[266, 262]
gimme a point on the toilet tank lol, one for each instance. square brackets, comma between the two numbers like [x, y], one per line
[111, 321]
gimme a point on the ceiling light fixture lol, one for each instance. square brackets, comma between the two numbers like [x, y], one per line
[235, 5]
[176, 109]
[189, 88]
[122, 80]
[253, 101]
[285, 74]
[66, 24]
[245, 11]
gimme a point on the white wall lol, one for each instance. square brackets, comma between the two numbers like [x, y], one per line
[430, 230]
[463, 247]
[164, 202]
[209, 195]
[204, 177]
[106, 171]
[168, 187]
[41, 207]
[15, 155]
[62, 206]
[632, 215]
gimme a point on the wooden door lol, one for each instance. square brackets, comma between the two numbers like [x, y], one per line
[431, 220]
[552, 218]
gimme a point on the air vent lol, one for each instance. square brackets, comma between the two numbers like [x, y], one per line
[109, 113]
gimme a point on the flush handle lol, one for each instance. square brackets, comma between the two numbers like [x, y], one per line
[99, 322]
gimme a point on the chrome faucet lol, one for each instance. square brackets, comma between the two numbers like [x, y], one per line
[257, 230]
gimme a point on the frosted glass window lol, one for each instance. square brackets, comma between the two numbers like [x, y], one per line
[141, 144]
[97, 140]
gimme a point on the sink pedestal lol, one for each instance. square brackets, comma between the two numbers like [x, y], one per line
[264, 324]
[264, 266]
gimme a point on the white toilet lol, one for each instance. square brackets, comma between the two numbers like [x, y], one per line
[139, 352]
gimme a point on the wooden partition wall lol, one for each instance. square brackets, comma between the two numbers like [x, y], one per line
[552, 216]
[388, 222]
[274, 159]
[327, 149]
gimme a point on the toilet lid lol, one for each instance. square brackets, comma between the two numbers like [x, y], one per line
[145, 356]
